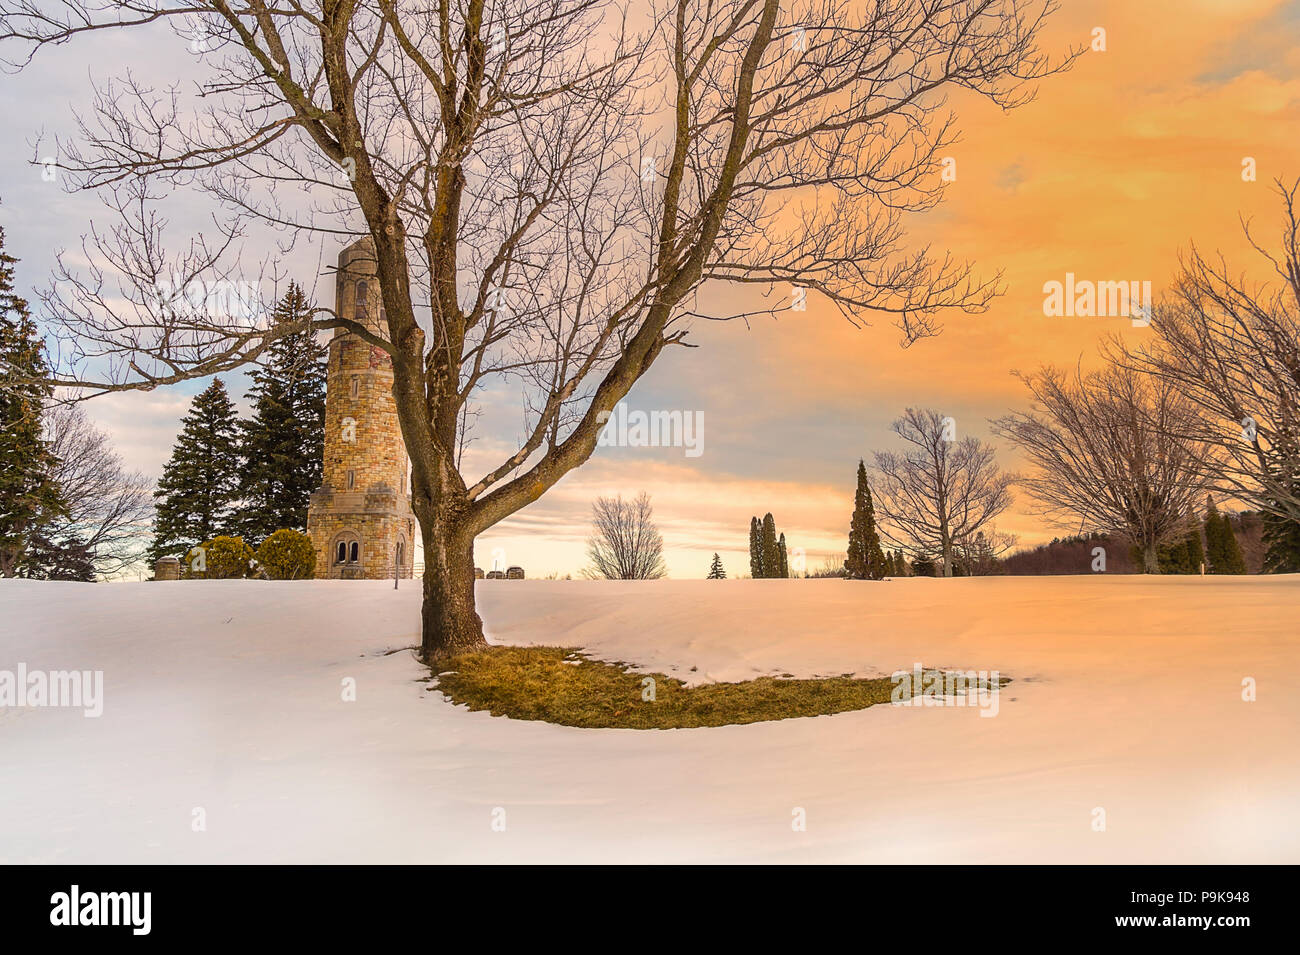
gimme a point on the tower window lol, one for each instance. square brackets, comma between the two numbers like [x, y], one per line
[363, 293]
[347, 549]
[356, 386]
[352, 480]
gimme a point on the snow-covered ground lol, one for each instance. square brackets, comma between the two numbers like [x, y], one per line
[226, 697]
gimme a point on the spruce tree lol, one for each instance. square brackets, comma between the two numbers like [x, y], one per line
[29, 495]
[715, 571]
[866, 560]
[1222, 553]
[900, 563]
[770, 548]
[1281, 539]
[66, 558]
[755, 549]
[200, 484]
[785, 558]
[282, 446]
[1234, 561]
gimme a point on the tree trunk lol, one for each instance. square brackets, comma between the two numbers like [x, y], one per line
[449, 622]
[1150, 559]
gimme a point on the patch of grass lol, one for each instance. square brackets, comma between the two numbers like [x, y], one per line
[561, 685]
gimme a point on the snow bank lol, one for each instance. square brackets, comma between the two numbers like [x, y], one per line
[223, 701]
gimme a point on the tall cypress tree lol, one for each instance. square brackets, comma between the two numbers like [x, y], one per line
[866, 560]
[755, 549]
[200, 484]
[785, 558]
[282, 446]
[770, 548]
[715, 570]
[29, 495]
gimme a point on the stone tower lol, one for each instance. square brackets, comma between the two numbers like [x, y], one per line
[360, 518]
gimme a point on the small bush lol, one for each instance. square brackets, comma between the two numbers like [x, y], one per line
[222, 558]
[287, 555]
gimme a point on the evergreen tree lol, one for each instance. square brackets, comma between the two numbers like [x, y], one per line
[1234, 560]
[282, 446]
[785, 558]
[200, 484]
[29, 495]
[866, 560]
[1282, 545]
[755, 549]
[899, 563]
[770, 548]
[1222, 553]
[715, 571]
[1184, 556]
[63, 559]
[924, 566]
[889, 564]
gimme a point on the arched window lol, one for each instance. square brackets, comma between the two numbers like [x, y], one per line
[347, 549]
[363, 293]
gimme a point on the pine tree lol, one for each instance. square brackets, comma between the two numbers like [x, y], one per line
[62, 559]
[889, 564]
[1184, 556]
[1282, 545]
[282, 446]
[755, 549]
[715, 571]
[785, 558]
[200, 484]
[900, 563]
[1234, 560]
[1222, 553]
[770, 549]
[866, 560]
[29, 495]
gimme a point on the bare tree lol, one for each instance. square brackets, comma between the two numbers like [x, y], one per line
[941, 490]
[1231, 348]
[108, 509]
[979, 555]
[548, 184]
[1111, 454]
[625, 543]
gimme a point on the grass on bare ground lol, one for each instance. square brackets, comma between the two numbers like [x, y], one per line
[560, 685]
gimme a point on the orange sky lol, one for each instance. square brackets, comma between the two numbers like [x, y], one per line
[1116, 166]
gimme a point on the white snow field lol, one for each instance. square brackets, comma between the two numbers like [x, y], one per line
[225, 697]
